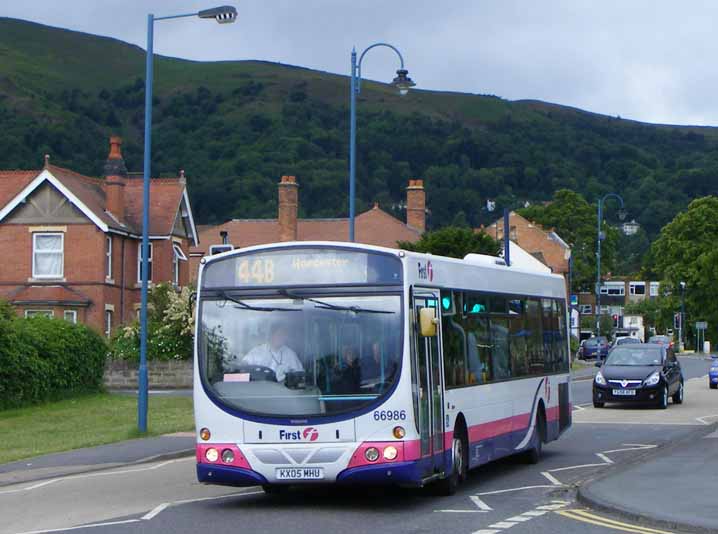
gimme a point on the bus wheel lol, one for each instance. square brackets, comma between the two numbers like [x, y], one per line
[274, 489]
[534, 454]
[459, 468]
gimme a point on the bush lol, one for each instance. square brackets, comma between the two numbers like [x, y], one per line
[170, 328]
[43, 359]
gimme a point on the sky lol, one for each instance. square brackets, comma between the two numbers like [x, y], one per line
[648, 60]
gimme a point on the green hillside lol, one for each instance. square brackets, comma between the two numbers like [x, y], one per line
[236, 127]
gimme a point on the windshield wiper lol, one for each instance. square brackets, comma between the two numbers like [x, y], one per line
[243, 305]
[329, 306]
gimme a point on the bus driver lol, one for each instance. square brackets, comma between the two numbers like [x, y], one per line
[275, 354]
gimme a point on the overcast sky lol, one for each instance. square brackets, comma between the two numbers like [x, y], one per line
[649, 60]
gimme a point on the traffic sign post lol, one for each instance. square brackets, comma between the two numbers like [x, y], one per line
[701, 327]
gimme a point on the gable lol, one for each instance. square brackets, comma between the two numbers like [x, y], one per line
[45, 205]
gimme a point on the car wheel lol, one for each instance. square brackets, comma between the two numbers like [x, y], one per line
[713, 386]
[663, 399]
[678, 395]
[448, 486]
[597, 404]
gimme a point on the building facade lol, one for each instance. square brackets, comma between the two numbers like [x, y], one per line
[74, 241]
[372, 227]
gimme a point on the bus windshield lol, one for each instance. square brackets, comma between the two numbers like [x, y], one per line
[299, 354]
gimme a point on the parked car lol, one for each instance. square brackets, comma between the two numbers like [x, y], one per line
[645, 372]
[625, 341]
[662, 340]
[713, 374]
[595, 347]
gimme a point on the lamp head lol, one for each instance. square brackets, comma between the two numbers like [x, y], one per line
[222, 14]
[402, 81]
[622, 214]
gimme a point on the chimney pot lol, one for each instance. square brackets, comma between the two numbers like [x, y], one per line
[115, 147]
[115, 176]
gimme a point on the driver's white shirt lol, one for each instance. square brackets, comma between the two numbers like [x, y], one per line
[281, 360]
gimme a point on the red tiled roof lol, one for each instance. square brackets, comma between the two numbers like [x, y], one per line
[373, 227]
[12, 182]
[165, 197]
[49, 295]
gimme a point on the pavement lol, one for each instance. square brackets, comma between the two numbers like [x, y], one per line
[685, 472]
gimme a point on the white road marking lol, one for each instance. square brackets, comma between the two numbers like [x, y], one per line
[569, 467]
[502, 525]
[92, 525]
[156, 510]
[712, 435]
[497, 492]
[520, 518]
[535, 513]
[499, 526]
[703, 421]
[459, 511]
[552, 479]
[34, 486]
[631, 447]
[481, 505]
[550, 507]
[487, 531]
[605, 458]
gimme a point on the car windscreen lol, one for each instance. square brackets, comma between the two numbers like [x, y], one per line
[635, 355]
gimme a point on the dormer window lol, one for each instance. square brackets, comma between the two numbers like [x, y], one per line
[48, 256]
[177, 256]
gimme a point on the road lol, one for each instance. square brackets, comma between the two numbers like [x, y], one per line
[535, 499]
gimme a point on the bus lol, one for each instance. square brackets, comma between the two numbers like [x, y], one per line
[321, 362]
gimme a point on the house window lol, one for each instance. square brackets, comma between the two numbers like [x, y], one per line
[108, 254]
[108, 322]
[513, 234]
[48, 255]
[653, 288]
[177, 257]
[637, 288]
[613, 288]
[70, 316]
[35, 313]
[139, 263]
[585, 309]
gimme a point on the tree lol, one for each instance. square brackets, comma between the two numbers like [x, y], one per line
[454, 242]
[685, 252]
[574, 220]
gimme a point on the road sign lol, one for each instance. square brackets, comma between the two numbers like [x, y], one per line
[574, 300]
[701, 325]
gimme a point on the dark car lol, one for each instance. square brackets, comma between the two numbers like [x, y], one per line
[595, 347]
[645, 372]
[661, 340]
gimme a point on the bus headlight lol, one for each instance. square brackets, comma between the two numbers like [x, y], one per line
[227, 456]
[211, 454]
[371, 454]
[399, 432]
[205, 434]
[390, 453]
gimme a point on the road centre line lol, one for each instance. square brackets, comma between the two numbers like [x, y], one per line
[605, 458]
[587, 517]
[156, 510]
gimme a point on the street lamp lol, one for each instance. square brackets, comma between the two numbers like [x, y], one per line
[601, 237]
[681, 330]
[223, 15]
[402, 82]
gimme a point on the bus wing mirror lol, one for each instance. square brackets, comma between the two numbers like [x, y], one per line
[428, 321]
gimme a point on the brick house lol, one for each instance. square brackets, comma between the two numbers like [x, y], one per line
[373, 227]
[544, 245]
[75, 240]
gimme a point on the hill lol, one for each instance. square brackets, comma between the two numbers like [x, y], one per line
[236, 127]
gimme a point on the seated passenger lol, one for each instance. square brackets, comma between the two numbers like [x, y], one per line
[346, 374]
[275, 354]
[371, 367]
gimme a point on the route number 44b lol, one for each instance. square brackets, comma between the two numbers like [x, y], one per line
[256, 272]
[390, 415]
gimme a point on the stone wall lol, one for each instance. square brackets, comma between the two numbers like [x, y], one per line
[176, 374]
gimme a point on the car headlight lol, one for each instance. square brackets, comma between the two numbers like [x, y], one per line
[653, 379]
[599, 379]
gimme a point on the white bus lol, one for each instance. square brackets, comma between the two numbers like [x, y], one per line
[320, 362]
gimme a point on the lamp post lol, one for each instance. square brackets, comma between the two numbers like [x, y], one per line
[402, 82]
[223, 15]
[601, 237]
[681, 330]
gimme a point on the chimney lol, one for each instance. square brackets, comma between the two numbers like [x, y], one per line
[115, 176]
[288, 205]
[416, 205]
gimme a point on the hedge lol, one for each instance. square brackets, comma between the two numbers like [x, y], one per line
[43, 359]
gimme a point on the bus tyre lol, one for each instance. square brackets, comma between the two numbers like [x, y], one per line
[274, 489]
[448, 486]
[533, 455]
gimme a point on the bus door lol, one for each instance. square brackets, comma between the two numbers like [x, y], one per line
[427, 362]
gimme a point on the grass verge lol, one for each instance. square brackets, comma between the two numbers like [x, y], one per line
[85, 422]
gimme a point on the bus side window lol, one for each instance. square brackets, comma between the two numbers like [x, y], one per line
[454, 341]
